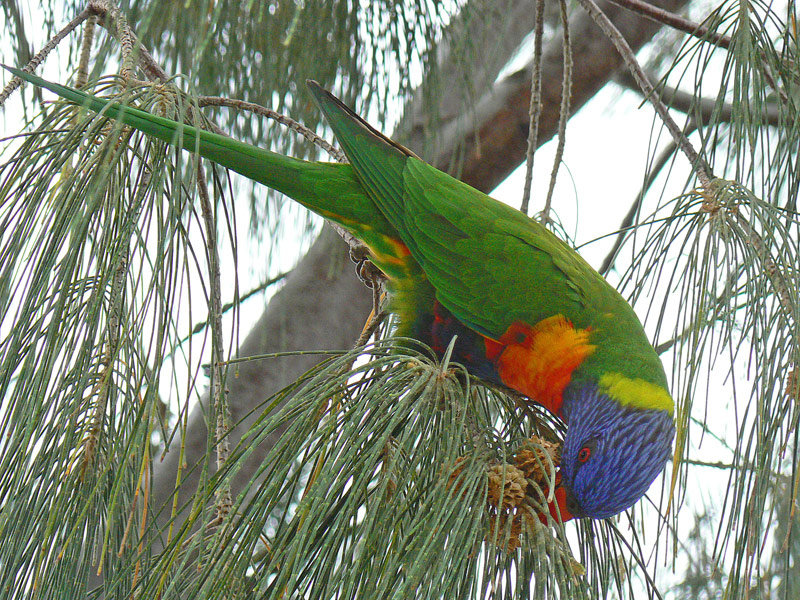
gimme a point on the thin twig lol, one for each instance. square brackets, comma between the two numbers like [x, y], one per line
[271, 355]
[356, 245]
[42, 54]
[605, 24]
[372, 324]
[275, 116]
[697, 30]
[652, 174]
[86, 52]
[651, 584]
[82, 76]
[665, 17]
[563, 116]
[775, 275]
[108, 14]
[377, 315]
[127, 44]
[142, 485]
[218, 373]
[535, 108]
[712, 465]
[198, 327]
[378, 296]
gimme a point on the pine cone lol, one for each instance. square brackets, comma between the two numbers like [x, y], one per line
[511, 487]
[510, 543]
[532, 458]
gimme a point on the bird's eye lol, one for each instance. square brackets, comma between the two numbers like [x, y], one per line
[586, 451]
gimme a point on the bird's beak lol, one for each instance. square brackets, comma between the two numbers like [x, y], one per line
[564, 507]
[558, 507]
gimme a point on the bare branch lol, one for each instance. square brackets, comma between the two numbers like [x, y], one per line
[43, 53]
[563, 113]
[704, 108]
[665, 17]
[627, 221]
[311, 136]
[218, 372]
[535, 110]
[109, 17]
[86, 51]
[698, 166]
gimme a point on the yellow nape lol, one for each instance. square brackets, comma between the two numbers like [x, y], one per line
[636, 392]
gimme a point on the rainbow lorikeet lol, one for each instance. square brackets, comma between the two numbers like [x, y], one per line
[528, 312]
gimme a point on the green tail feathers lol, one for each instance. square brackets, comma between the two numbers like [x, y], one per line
[329, 189]
[379, 161]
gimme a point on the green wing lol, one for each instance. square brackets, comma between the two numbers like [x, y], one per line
[490, 265]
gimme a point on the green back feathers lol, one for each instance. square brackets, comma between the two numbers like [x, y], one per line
[379, 162]
[491, 265]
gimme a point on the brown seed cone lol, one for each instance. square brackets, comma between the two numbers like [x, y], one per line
[512, 487]
[793, 385]
[531, 459]
[500, 523]
[457, 468]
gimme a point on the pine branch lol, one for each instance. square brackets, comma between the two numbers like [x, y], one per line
[705, 110]
[535, 110]
[665, 17]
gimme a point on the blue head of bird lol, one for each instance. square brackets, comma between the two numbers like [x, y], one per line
[611, 453]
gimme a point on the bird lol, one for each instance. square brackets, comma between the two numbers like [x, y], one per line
[527, 312]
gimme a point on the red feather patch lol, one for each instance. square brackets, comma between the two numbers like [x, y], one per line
[538, 361]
